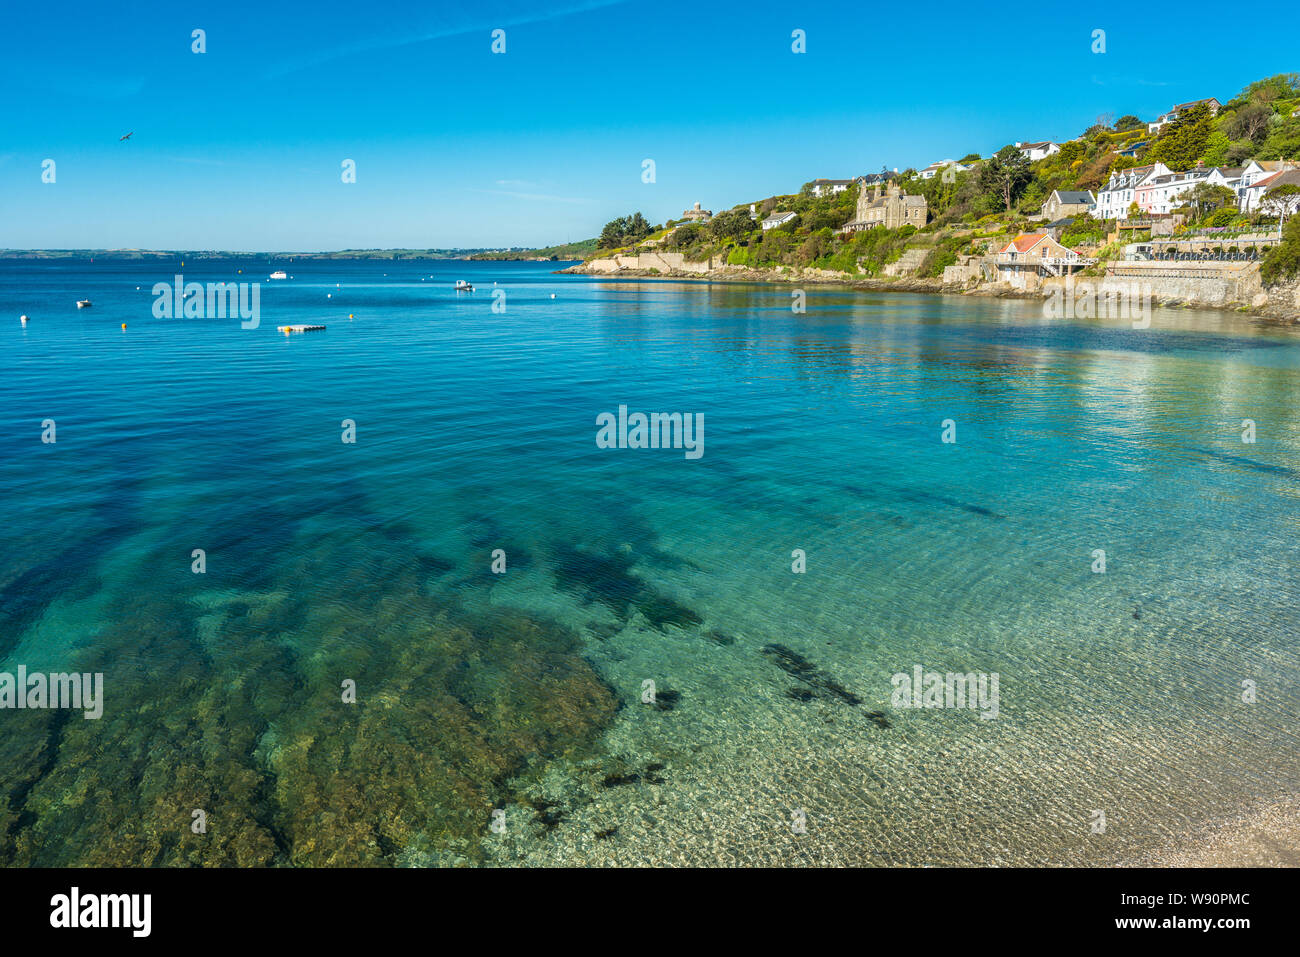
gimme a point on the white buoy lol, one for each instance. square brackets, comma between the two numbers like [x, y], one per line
[329, 295]
[552, 295]
[23, 320]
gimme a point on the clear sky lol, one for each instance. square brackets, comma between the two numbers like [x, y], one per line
[241, 147]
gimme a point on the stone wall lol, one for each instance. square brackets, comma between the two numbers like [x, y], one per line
[646, 261]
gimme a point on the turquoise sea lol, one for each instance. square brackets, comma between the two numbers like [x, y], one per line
[504, 718]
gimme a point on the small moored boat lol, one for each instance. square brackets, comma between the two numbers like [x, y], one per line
[463, 286]
[83, 303]
[279, 274]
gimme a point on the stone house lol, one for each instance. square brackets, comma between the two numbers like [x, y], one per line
[1068, 202]
[891, 208]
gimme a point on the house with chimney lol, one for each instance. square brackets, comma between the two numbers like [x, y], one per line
[1161, 194]
[1120, 191]
[889, 207]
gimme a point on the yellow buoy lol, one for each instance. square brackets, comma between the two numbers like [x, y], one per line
[124, 327]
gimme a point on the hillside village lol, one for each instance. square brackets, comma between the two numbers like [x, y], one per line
[1197, 203]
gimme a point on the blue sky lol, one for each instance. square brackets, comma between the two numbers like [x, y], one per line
[241, 147]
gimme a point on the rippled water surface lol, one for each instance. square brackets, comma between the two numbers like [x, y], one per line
[523, 692]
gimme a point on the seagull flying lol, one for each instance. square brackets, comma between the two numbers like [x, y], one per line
[127, 137]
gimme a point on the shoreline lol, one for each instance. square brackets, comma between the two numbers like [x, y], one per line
[736, 274]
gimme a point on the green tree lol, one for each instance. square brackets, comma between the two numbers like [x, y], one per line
[1128, 122]
[624, 231]
[731, 224]
[1205, 199]
[1005, 175]
[1283, 260]
[1183, 141]
[1281, 201]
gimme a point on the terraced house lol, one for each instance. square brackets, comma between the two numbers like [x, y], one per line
[1120, 191]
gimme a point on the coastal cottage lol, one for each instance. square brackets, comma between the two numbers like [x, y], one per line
[1037, 151]
[1030, 257]
[1179, 109]
[695, 214]
[891, 208]
[829, 187]
[777, 219]
[1068, 202]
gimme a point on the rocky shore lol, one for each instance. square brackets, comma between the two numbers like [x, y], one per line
[1280, 303]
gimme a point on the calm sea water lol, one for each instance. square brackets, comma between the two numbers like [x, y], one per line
[501, 718]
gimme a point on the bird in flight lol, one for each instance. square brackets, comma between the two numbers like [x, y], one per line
[127, 137]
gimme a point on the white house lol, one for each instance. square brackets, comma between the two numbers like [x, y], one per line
[829, 187]
[1037, 151]
[1249, 192]
[1254, 193]
[1120, 191]
[1179, 109]
[934, 169]
[1161, 194]
[777, 219]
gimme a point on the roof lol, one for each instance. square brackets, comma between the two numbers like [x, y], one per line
[1187, 106]
[778, 217]
[832, 182]
[1036, 146]
[1026, 241]
[1074, 196]
[1290, 177]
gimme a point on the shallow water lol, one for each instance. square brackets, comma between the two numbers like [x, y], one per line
[522, 692]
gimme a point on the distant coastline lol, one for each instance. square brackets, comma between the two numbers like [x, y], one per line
[198, 254]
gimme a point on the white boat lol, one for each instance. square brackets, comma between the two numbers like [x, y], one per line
[463, 286]
[279, 274]
[83, 303]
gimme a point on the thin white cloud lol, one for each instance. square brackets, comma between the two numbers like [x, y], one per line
[372, 44]
[534, 197]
